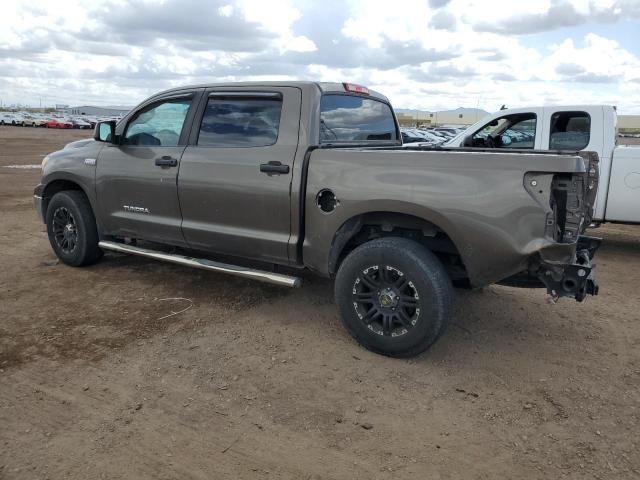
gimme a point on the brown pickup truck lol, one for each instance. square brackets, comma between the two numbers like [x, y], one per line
[279, 176]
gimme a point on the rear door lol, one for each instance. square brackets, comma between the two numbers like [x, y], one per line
[136, 180]
[235, 175]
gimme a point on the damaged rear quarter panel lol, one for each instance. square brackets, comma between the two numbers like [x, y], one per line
[477, 198]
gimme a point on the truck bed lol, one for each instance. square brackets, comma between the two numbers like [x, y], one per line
[476, 198]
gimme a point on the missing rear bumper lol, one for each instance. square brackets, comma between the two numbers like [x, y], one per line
[575, 280]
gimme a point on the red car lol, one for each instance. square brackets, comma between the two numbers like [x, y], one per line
[58, 123]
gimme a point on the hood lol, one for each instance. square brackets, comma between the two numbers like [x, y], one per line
[79, 143]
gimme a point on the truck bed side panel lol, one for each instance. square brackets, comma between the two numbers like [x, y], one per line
[477, 198]
[623, 201]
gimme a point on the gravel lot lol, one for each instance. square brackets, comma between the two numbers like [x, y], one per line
[98, 379]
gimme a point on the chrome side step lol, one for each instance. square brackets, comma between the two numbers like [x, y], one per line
[275, 278]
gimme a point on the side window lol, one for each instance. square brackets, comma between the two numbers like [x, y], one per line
[511, 131]
[569, 130]
[241, 121]
[350, 118]
[158, 125]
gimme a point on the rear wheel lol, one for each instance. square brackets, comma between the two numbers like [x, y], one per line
[394, 296]
[72, 230]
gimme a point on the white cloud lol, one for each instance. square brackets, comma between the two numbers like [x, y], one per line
[226, 10]
[423, 54]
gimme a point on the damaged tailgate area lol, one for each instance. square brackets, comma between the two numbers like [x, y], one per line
[565, 267]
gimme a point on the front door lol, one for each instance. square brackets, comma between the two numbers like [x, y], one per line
[235, 175]
[137, 178]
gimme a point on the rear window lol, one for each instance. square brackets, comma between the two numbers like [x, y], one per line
[349, 118]
[569, 130]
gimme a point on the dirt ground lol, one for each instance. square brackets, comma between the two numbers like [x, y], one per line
[100, 380]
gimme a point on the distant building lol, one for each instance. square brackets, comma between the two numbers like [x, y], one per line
[629, 123]
[458, 117]
[98, 111]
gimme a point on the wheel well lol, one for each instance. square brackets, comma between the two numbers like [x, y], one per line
[54, 187]
[369, 226]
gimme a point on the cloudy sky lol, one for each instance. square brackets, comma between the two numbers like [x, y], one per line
[424, 54]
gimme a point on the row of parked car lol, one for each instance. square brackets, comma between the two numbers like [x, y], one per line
[429, 135]
[25, 119]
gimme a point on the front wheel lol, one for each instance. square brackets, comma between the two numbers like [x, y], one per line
[72, 230]
[394, 296]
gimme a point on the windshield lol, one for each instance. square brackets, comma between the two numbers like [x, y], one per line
[350, 118]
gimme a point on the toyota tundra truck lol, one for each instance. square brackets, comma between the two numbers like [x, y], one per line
[263, 180]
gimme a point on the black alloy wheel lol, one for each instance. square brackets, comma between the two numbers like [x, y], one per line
[386, 301]
[65, 230]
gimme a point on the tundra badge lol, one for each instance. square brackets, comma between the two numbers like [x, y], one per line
[129, 208]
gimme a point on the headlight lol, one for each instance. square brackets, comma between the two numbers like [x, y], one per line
[44, 162]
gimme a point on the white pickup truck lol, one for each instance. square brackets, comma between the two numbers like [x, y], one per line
[574, 128]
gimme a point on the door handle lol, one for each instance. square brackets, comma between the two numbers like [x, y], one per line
[272, 168]
[167, 161]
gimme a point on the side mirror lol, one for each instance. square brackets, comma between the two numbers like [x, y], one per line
[468, 141]
[105, 131]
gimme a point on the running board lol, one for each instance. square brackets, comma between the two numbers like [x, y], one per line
[204, 264]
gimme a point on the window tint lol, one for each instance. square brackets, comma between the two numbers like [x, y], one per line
[158, 125]
[240, 122]
[569, 130]
[511, 131]
[347, 118]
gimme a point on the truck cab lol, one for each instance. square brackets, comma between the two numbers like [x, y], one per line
[569, 128]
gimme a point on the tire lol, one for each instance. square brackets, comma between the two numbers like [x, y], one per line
[72, 230]
[394, 296]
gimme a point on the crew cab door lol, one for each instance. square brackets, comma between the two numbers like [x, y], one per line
[235, 176]
[136, 177]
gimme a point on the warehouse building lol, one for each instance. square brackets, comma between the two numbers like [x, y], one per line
[459, 117]
[629, 123]
[97, 111]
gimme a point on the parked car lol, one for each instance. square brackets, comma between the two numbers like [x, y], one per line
[432, 137]
[570, 128]
[409, 136]
[236, 170]
[91, 121]
[59, 123]
[447, 131]
[414, 135]
[9, 119]
[80, 123]
[32, 120]
[433, 131]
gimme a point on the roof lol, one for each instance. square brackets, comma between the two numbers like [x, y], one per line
[302, 84]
